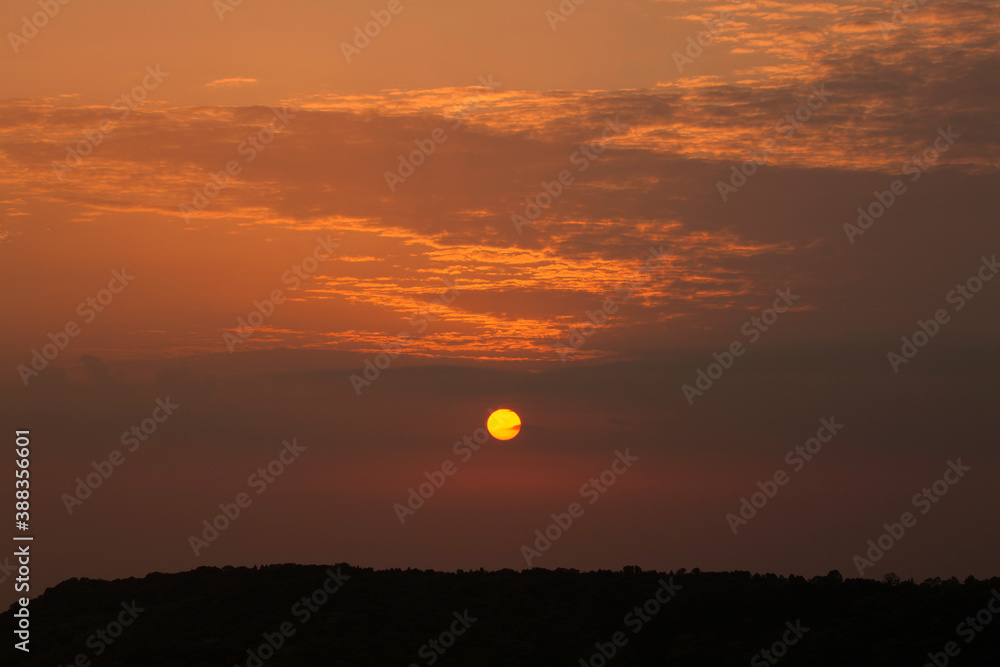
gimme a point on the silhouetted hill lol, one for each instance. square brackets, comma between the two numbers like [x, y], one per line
[212, 616]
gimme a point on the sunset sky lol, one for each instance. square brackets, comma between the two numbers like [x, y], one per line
[466, 189]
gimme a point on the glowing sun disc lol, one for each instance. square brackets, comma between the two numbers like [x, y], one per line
[503, 424]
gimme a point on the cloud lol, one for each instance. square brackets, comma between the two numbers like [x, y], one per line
[654, 184]
[231, 82]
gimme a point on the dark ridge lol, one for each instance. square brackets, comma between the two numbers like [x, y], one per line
[222, 617]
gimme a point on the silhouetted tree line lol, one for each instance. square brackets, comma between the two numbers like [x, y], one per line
[213, 616]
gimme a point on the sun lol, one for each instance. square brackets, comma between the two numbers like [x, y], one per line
[503, 424]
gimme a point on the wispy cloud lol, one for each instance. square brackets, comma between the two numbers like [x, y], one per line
[231, 82]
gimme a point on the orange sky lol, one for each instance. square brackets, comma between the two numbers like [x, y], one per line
[325, 169]
[160, 99]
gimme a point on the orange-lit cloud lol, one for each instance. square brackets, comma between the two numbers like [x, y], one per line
[653, 184]
[234, 81]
